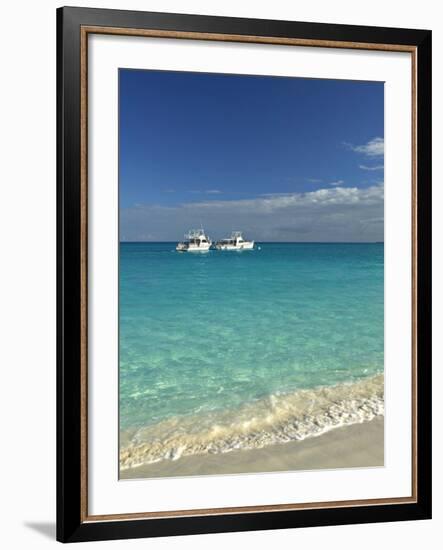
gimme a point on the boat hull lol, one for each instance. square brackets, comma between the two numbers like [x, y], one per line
[242, 246]
[203, 248]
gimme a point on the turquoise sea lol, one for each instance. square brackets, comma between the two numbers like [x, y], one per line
[226, 350]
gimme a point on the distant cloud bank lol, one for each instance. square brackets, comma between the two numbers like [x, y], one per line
[332, 214]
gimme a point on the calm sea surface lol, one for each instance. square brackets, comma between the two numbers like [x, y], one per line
[222, 338]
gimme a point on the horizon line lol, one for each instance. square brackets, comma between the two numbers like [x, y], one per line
[268, 242]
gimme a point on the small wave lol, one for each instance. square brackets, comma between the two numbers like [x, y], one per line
[277, 419]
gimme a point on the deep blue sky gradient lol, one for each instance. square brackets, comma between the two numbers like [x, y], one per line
[188, 137]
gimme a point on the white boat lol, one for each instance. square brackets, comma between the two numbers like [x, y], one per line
[195, 241]
[235, 242]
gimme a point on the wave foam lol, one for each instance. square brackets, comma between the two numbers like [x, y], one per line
[279, 418]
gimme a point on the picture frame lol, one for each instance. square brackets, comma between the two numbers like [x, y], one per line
[74, 520]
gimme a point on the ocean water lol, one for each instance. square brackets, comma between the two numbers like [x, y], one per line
[226, 350]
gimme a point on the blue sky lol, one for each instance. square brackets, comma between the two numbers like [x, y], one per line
[283, 159]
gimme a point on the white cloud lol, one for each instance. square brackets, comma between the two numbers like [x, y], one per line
[330, 214]
[373, 148]
[286, 194]
[337, 183]
[205, 191]
[371, 168]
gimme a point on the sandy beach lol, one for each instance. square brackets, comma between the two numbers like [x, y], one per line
[355, 446]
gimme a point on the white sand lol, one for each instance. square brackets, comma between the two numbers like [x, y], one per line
[359, 445]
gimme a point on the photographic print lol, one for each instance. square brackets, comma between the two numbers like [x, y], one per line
[237, 296]
[251, 264]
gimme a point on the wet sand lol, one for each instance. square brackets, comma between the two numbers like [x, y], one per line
[356, 446]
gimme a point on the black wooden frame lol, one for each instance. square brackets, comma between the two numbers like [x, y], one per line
[70, 527]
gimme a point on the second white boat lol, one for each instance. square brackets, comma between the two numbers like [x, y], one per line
[235, 242]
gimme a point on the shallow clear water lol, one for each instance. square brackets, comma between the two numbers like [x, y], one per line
[206, 336]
